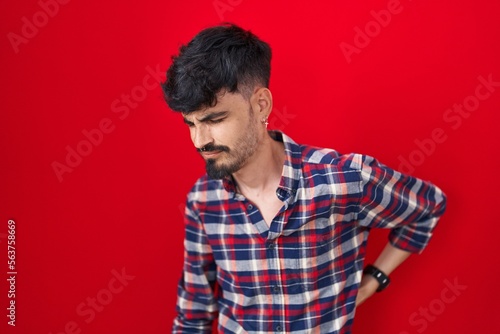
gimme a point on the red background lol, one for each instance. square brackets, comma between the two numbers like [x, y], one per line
[120, 206]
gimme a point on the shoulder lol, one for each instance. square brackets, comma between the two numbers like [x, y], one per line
[318, 165]
[330, 158]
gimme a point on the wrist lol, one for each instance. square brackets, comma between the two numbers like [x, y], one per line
[377, 277]
[368, 283]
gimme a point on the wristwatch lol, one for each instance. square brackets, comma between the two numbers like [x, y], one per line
[382, 279]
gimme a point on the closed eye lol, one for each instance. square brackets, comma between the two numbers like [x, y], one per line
[190, 124]
[215, 121]
[213, 118]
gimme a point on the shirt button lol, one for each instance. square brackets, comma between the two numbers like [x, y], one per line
[276, 289]
[272, 245]
[250, 207]
[279, 328]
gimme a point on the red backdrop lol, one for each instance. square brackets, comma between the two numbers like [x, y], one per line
[95, 167]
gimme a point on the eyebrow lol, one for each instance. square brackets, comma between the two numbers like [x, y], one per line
[208, 117]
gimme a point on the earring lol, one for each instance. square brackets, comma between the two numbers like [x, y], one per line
[264, 120]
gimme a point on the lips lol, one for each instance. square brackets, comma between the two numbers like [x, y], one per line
[210, 154]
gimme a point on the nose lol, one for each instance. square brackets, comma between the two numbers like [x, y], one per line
[200, 135]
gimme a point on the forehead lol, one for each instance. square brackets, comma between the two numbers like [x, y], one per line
[226, 102]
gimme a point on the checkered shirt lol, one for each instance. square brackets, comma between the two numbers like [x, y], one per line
[301, 274]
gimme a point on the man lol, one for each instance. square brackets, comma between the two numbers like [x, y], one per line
[276, 231]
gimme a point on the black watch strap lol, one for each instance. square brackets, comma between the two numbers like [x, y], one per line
[382, 279]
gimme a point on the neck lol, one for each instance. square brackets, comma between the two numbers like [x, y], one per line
[263, 170]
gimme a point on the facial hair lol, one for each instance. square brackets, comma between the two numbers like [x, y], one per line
[233, 159]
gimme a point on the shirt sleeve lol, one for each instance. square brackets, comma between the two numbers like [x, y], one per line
[409, 206]
[196, 301]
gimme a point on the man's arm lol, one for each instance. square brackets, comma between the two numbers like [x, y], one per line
[390, 258]
[196, 301]
[410, 207]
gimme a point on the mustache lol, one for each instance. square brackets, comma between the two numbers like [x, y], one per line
[212, 147]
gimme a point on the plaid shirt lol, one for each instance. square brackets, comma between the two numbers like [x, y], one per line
[301, 274]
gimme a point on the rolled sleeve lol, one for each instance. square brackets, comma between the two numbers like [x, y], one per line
[409, 206]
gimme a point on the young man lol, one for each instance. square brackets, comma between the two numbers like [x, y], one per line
[276, 231]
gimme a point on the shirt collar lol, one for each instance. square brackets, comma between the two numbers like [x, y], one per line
[292, 169]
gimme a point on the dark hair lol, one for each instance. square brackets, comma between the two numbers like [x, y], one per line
[222, 57]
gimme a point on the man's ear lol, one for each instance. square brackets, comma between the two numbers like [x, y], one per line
[262, 102]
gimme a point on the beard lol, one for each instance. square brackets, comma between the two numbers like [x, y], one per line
[220, 171]
[232, 159]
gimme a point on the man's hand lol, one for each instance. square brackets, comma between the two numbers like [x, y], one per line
[368, 287]
[390, 258]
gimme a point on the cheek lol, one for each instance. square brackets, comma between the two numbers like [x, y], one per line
[222, 133]
[231, 132]
[233, 135]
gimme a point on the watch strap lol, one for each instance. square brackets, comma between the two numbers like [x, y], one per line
[382, 279]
